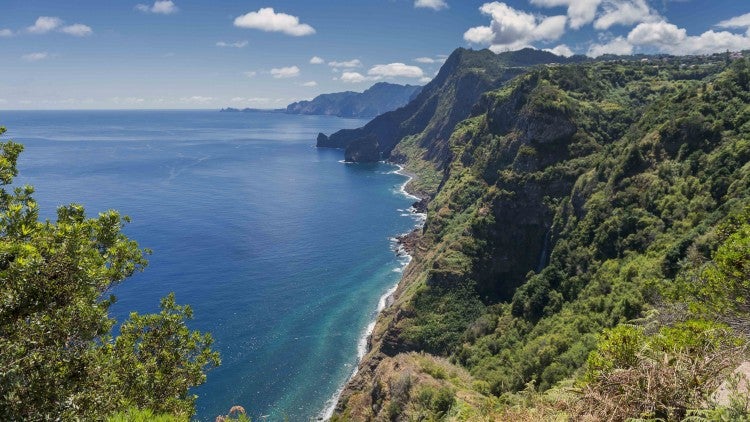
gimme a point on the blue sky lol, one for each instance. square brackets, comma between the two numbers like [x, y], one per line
[93, 54]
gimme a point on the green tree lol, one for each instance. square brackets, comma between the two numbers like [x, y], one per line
[57, 357]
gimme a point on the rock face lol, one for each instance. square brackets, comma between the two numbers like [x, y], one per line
[365, 150]
[445, 101]
[378, 99]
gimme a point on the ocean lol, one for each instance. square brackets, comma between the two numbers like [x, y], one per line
[282, 250]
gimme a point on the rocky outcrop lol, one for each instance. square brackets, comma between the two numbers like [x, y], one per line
[364, 150]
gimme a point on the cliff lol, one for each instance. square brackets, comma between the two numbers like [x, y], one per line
[378, 99]
[443, 102]
[566, 202]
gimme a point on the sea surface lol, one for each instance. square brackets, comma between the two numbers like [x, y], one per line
[282, 250]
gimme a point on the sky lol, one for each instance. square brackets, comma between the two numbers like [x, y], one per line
[177, 54]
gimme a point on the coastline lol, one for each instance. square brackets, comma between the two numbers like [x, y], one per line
[403, 249]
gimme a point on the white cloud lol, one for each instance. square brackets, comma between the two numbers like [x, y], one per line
[395, 70]
[425, 60]
[128, 100]
[251, 74]
[267, 20]
[347, 65]
[668, 38]
[624, 12]
[317, 60]
[45, 24]
[511, 29]
[580, 12]
[658, 34]
[35, 57]
[285, 72]
[425, 80]
[479, 35]
[6, 33]
[431, 4]
[353, 77]
[237, 44]
[619, 46]
[77, 30]
[163, 7]
[561, 50]
[742, 21]
[310, 84]
[250, 100]
[197, 99]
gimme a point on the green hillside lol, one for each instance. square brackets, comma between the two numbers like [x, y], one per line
[576, 199]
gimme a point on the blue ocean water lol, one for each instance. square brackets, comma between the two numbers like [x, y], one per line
[282, 250]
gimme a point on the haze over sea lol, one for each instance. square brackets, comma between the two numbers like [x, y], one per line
[281, 249]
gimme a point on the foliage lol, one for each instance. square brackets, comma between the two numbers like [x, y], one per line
[146, 415]
[577, 197]
[57, 356]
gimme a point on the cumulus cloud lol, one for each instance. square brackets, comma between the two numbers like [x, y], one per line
[619, 46]
[45, 24]
[353, 77]
[266, 19]
[6, 33]
[347, 64]
[431, 4]
[162, 7]
[624, 12]
[317, 60]
[425, 60]
[561, 50]
[77, 30]
[310, 84]
[425, 80]
[35, 57]
[664, 37]
[580, 12]
[668, 38]
[742, 21]
[395, 70]
[511, 29]
[285, 72]
[237, 44]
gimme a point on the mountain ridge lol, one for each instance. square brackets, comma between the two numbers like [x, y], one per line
[375, 100]
[566, 206]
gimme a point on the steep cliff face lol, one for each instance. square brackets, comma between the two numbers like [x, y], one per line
[378, 99]
[562, 195]
[442, 103]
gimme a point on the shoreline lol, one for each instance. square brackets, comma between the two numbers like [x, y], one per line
[402, 250]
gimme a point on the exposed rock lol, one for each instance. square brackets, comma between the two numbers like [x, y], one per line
[363, 150]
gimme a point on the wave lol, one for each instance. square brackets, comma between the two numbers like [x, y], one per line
[387, 298]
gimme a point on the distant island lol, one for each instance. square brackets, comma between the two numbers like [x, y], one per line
[376, 100]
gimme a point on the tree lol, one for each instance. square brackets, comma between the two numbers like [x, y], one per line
[58, 359]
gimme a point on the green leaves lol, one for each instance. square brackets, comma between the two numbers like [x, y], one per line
[57, 359]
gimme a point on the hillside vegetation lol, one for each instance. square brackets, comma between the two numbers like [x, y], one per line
[585, 253]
